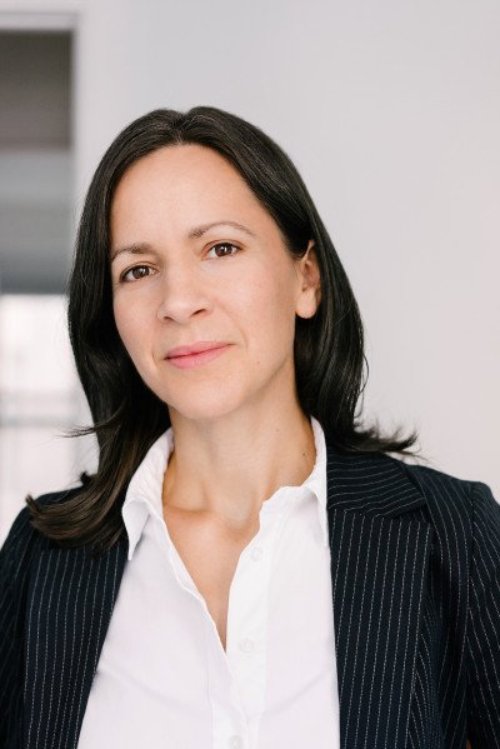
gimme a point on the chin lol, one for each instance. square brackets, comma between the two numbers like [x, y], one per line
[203, 413]
[198, 406]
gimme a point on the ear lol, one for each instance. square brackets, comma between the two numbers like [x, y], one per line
[309, 283]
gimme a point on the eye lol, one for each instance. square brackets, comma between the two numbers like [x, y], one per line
[135, 273]
[225, 245]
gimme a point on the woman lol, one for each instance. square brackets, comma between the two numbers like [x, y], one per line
[248, 567]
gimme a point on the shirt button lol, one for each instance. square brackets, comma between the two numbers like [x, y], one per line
[257, 552]
[235, 742]
[247, 645]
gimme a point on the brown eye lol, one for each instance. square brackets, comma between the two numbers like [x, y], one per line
[136, 273]
[227, 246]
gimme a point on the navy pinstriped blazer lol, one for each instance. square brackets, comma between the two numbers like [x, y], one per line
[416, 602]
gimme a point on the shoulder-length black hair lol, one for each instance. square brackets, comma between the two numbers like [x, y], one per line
[127, 416]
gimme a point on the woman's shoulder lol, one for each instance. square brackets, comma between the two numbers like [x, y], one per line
[465, 505]
[380, 473]
[435, 483]
[22, 532]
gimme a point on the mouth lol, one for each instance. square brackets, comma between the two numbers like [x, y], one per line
[188, 361]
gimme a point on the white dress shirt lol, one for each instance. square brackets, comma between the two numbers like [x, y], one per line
[164, 681]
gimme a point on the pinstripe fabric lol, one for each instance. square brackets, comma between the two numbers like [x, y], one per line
[415, 559]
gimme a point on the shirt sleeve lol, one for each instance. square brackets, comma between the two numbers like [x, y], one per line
[483, 627]
[13, 573]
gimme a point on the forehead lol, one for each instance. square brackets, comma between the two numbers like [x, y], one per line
[181, 186]
[187, 170]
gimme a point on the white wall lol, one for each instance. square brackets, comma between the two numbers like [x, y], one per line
[391, 111]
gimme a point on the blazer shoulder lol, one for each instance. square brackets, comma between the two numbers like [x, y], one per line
[385, 484]
[448, 496]
[21, 531]
[434, 481]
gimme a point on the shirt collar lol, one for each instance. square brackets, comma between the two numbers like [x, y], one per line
[144, 492]
[317, 482]
[144, 495]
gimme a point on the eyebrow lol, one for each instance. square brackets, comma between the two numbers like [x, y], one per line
[140, 248]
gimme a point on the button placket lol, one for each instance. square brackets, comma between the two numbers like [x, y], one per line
[257, 553]
[247, 645]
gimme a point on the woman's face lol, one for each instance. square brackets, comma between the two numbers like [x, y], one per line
[182, 273]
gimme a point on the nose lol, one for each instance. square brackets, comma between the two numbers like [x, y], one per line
[183, 294]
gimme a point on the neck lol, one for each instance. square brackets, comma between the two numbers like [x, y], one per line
[241, 459]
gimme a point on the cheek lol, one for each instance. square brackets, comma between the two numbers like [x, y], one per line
[267, 303]
[131, 327]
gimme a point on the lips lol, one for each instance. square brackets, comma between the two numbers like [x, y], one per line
[195, 348]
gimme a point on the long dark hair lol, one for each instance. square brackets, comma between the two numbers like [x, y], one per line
[127, 416]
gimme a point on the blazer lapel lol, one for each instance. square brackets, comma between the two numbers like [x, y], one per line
[69, 606]
[379, 558]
